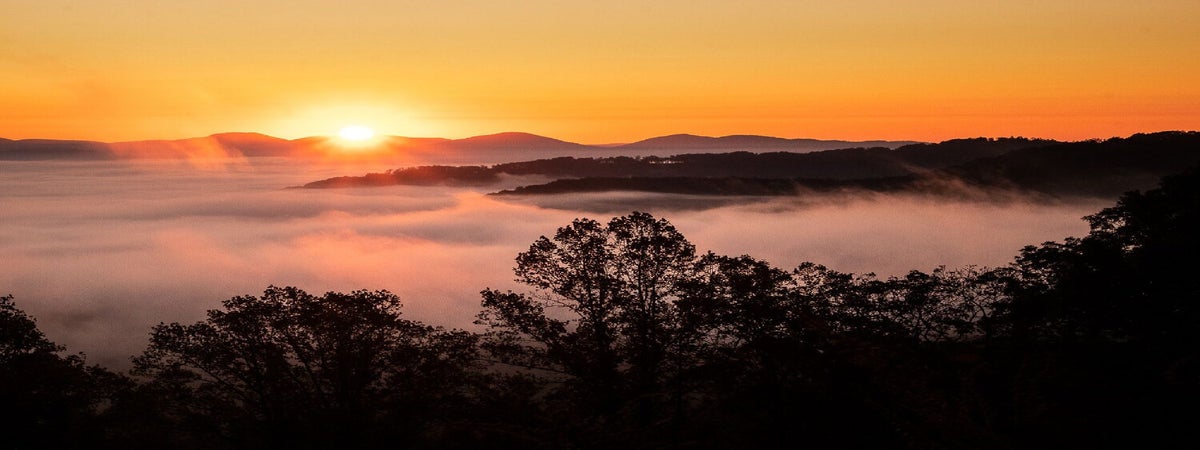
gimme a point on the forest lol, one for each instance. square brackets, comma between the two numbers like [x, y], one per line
[630, 337]
[954, 168]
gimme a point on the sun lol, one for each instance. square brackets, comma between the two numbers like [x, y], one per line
[356, 133]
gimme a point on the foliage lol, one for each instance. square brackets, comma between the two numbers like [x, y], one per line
[290, 368]
[629, 339]
[604, 314]
[1131, 278]
[48, 400]
[19, 334]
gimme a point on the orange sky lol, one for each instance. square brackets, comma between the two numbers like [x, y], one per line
[599, 71]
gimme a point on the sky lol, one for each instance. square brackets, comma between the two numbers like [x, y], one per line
[599, 71]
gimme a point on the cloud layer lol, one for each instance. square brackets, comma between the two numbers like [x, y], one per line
[100, 252]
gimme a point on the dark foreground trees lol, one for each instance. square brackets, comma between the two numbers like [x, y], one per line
[1104, 330]
[47, 400]
[629, 339]
[292, 370]
[604, 314]
[1090, 342]
[641, 343]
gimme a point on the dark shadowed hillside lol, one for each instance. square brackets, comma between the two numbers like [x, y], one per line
[39, 149]
[958, 151]
[843, 164]
[720, 186]
[1104, 168]
[417, 176]
[1091, 168]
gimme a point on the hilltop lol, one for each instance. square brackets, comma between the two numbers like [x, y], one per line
[509, 146]
[1089, 168]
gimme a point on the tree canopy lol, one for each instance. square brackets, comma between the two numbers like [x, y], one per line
[294, 369]
[629, 338]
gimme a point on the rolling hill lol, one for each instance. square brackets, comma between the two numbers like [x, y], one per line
[1043, 167]
[510, 146]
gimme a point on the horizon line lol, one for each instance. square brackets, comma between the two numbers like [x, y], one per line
[606, 144]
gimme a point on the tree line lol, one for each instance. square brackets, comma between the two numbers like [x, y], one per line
[630, 338]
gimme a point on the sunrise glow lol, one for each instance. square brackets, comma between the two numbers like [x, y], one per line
[617, 224]
[356, 133]
[928, 69]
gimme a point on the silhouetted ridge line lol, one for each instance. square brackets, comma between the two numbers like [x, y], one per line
[253, 145]
[1090, 168]
[719, 186]
[842, 164]
[514, 140]
[43, 149]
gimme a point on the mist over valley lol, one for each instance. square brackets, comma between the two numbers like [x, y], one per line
[100, 251]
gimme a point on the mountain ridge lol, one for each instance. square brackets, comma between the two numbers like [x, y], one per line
[253, 144]
[1030, 167]
[954, 167]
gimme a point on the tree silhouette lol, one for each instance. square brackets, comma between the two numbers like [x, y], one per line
[736, 302]
[1098, 334]
[604, 314]
[19, 335]
[1132, 278]
[47, 400]
[628, 339]
[297, 370]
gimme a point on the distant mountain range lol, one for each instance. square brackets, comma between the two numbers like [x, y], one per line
[234, 145]
[689, 164]
[956, 167]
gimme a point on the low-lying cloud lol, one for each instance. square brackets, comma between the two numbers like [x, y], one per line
[100, 252]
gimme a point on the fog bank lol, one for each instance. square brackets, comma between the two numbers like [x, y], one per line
[99, 252]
